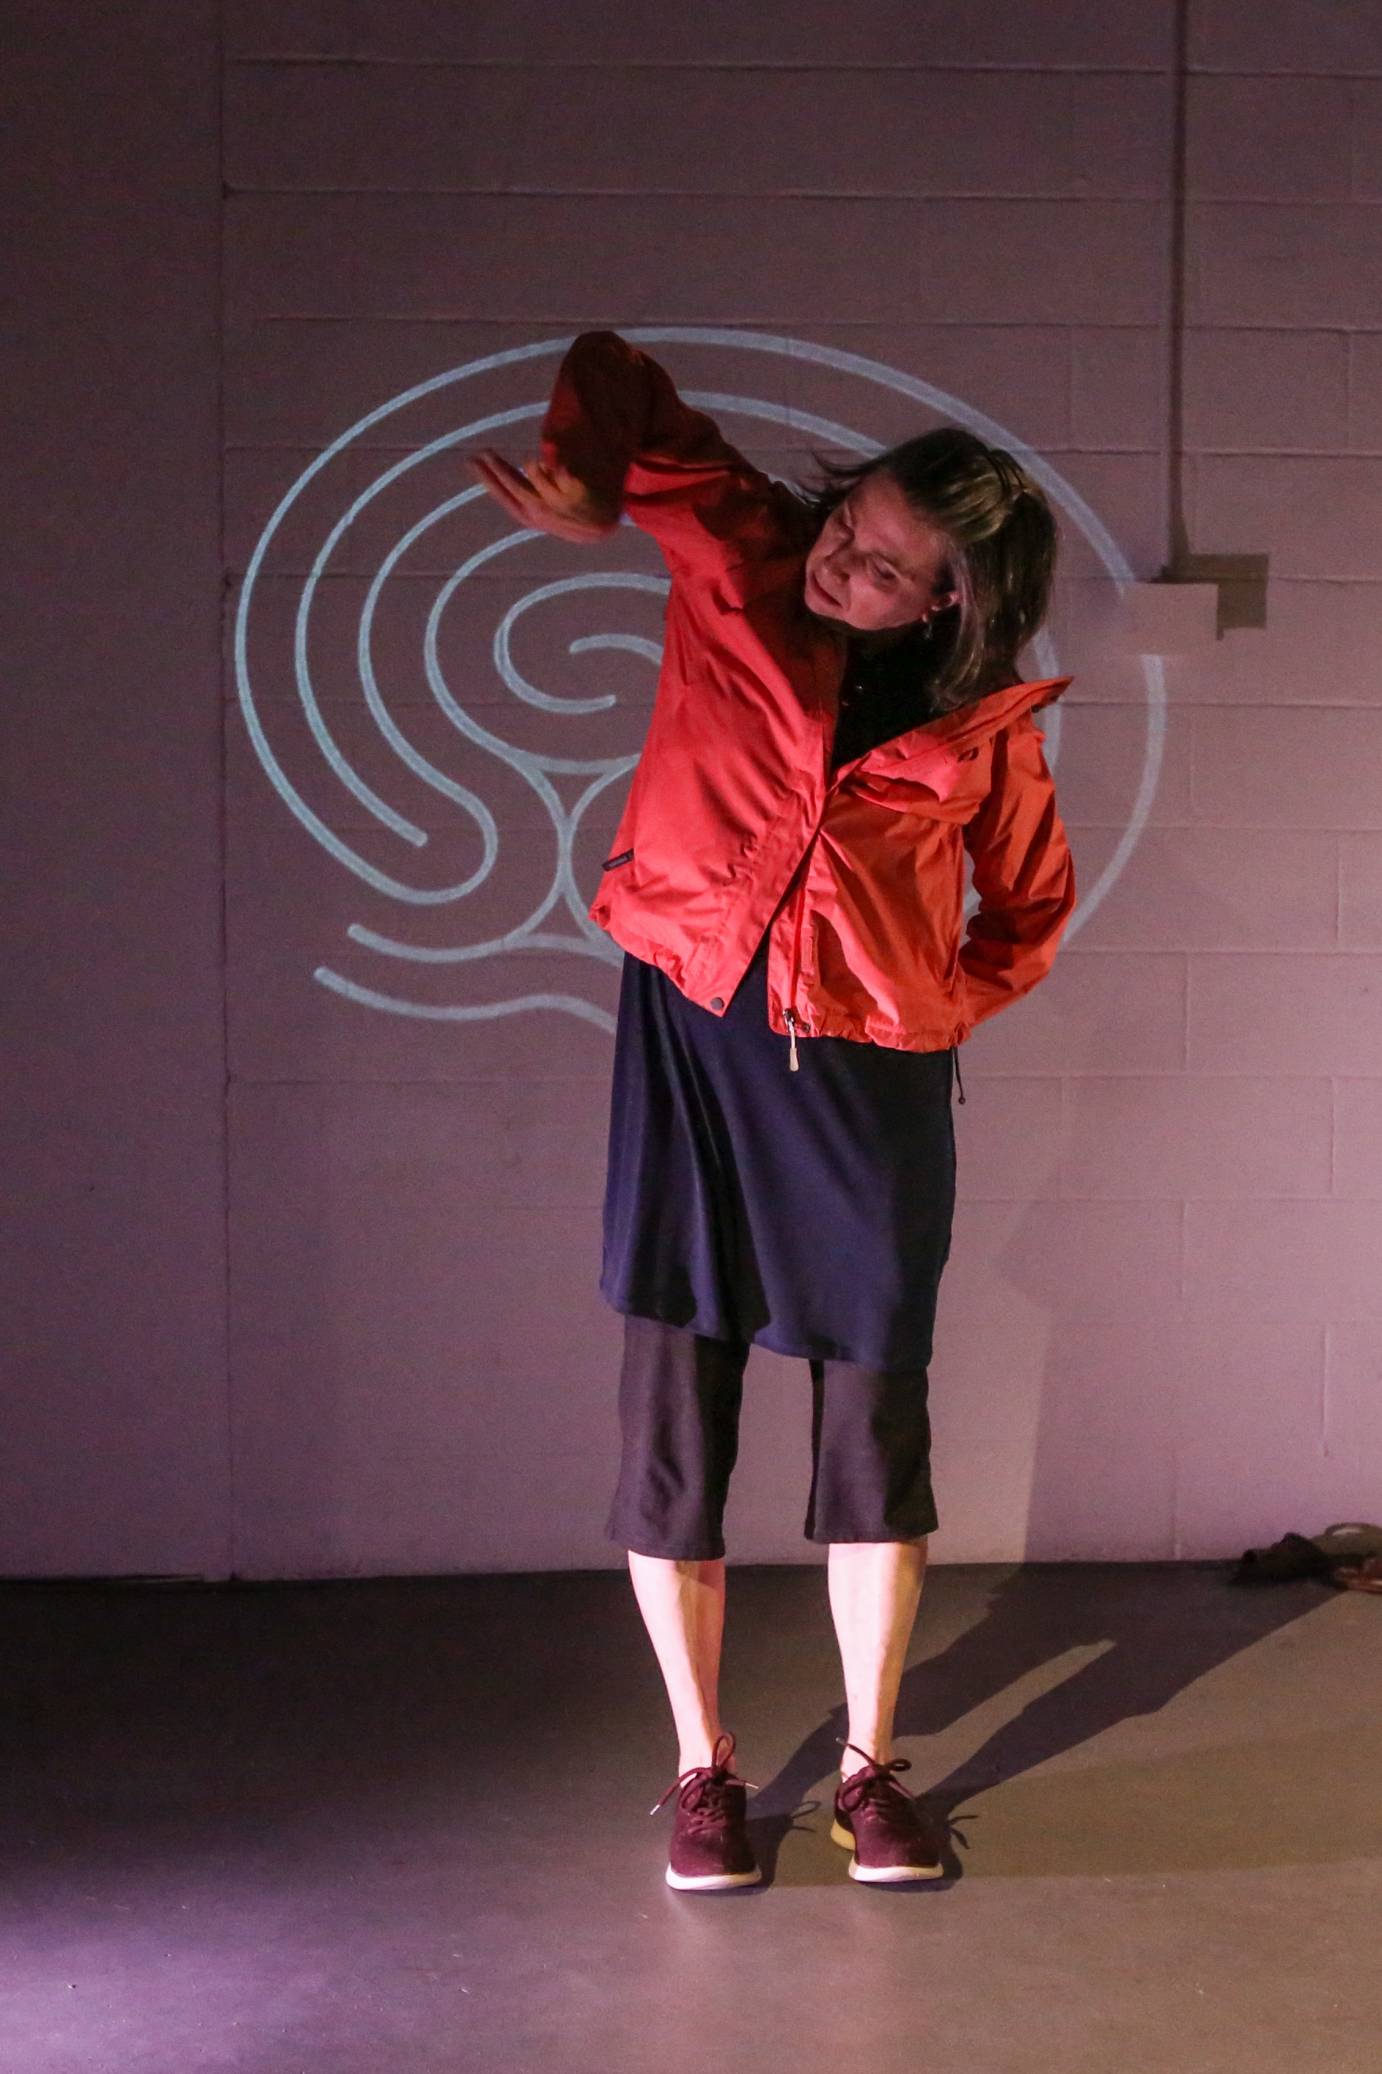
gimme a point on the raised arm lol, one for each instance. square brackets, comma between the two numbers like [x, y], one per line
[617, 438]
[1023, 874]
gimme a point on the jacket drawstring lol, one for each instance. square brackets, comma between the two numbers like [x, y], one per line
[955, 1061]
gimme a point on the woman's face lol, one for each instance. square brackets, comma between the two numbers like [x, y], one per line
[877, 562]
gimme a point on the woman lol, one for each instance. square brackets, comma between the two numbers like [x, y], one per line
[839, 718]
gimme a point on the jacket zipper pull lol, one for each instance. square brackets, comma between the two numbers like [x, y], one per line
[789, 1017]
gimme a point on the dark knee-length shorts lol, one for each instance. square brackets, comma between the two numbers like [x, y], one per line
[679, 1400]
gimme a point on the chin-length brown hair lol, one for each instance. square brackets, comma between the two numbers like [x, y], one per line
[1003, 548]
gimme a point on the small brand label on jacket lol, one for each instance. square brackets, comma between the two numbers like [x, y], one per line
[622, 858]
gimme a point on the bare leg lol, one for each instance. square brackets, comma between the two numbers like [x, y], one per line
[683, 1608]
[875, 1588]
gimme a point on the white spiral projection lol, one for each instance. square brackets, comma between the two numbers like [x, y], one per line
[584, 778]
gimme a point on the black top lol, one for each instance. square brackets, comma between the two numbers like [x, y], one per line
[883, 692]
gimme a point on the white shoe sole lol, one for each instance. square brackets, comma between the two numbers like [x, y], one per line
[704, 1882]
[880, 1875]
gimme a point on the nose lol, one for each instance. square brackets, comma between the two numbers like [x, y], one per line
[838, 565]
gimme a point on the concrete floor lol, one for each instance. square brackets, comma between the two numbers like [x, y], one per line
[402, 1825]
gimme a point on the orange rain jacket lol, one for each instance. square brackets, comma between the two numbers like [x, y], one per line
[734, 821]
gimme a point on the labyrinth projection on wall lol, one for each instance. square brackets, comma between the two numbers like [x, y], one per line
[449, 707]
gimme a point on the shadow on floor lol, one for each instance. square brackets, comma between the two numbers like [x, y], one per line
[1159, 1629]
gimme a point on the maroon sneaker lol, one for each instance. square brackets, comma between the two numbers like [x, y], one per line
[710, 1844]
[883, 1825]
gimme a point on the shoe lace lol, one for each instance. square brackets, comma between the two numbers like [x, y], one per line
[874, 1780]
[703, 1787]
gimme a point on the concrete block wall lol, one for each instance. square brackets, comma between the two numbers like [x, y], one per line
[1161, 1327]
[113, 1444]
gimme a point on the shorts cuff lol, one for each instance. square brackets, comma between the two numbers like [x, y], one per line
[893, 1532]
[646, 1545]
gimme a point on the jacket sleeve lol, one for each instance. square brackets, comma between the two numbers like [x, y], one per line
[617, 423]
[1023, 873]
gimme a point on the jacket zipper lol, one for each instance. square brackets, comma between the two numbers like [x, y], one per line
[789, 1015]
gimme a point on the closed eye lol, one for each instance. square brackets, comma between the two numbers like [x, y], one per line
[882, 572]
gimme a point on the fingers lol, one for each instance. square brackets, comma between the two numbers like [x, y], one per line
[527, 491]
[498, 474]
[506, 484]
[548, 499]
[493, 464]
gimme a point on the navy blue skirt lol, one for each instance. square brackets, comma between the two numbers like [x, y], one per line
[809, 1212]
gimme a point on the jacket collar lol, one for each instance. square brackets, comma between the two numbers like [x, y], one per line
[983, 717]
[931, 752]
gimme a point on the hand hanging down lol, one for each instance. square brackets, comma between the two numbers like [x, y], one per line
[551, 500]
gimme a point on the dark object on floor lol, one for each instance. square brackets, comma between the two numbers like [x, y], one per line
[1292, 1556]
[1349, 1554]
